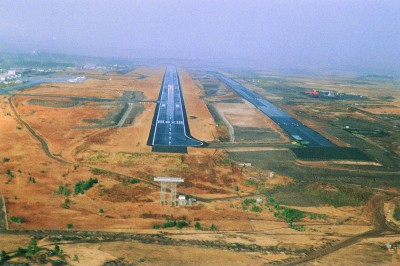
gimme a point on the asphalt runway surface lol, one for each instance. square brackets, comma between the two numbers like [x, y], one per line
[292, 126]
[170, 130]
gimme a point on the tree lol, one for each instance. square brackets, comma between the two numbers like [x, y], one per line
[58, 250]
[3, 256]
[17, 220]
[197, 226]
[33, 248]
[213, 227]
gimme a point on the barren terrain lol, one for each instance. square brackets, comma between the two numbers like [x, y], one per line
[48, 145]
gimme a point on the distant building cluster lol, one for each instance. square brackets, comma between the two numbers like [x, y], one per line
[90, 66]
[77, 79]
[10, 76]
[323, 94]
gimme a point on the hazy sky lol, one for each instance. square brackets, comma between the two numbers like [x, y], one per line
[276, 33]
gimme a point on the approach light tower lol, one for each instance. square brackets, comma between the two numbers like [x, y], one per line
[168, 180]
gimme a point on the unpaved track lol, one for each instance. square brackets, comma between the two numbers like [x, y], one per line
[46, 150]
[228, 125]
[376, 204]
[125, 116]
[43, 143]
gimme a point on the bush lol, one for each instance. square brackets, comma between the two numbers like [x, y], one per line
[66, 204]
[66, 191]
[5, 159]
[133, 181]
[181, 224]
[296, 227]
[4, 256]
[59, 190]
[197, 226]
[169, 224]
[58, 250]
[70, 226]
[21, 252]
[81, 186]
[156, 226]
[247, 202]
[396, 214]
[213, 227]
[17, 220]
[256, 208]
[290, 215]
[33, 248]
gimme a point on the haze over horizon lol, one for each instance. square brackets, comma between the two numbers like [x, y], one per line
[278, 34]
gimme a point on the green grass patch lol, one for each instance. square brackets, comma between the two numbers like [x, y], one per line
[249, 182]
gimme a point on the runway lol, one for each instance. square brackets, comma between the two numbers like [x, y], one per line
[294, 128]
[170, 129]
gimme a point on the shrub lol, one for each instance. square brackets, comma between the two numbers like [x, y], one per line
[17, 220]
[156, 226]
[133, 181]
[296, 227]
[66, 204]
[247, 202]
[5, 159]
[81, 186]
[58, 250]
[396, 214]
[33, 248]
[3, 256]
[181, 224]
[256, 208]
[59, 190]
[66, 190]
[70, 226]
[169, 224]
[21, 252]
[213, 227]
[197, 226]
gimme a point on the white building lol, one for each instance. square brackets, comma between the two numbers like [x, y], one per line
[12, 72]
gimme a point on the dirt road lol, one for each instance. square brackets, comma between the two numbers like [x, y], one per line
[379, 220]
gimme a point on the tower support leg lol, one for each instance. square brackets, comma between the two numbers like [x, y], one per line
[173, 194]
[163, 191]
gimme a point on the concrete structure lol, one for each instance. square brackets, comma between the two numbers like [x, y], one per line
[173, 181]
[191, 201]
[182, 200]
[271, 174]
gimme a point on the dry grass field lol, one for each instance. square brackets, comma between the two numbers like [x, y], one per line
[126, 199]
